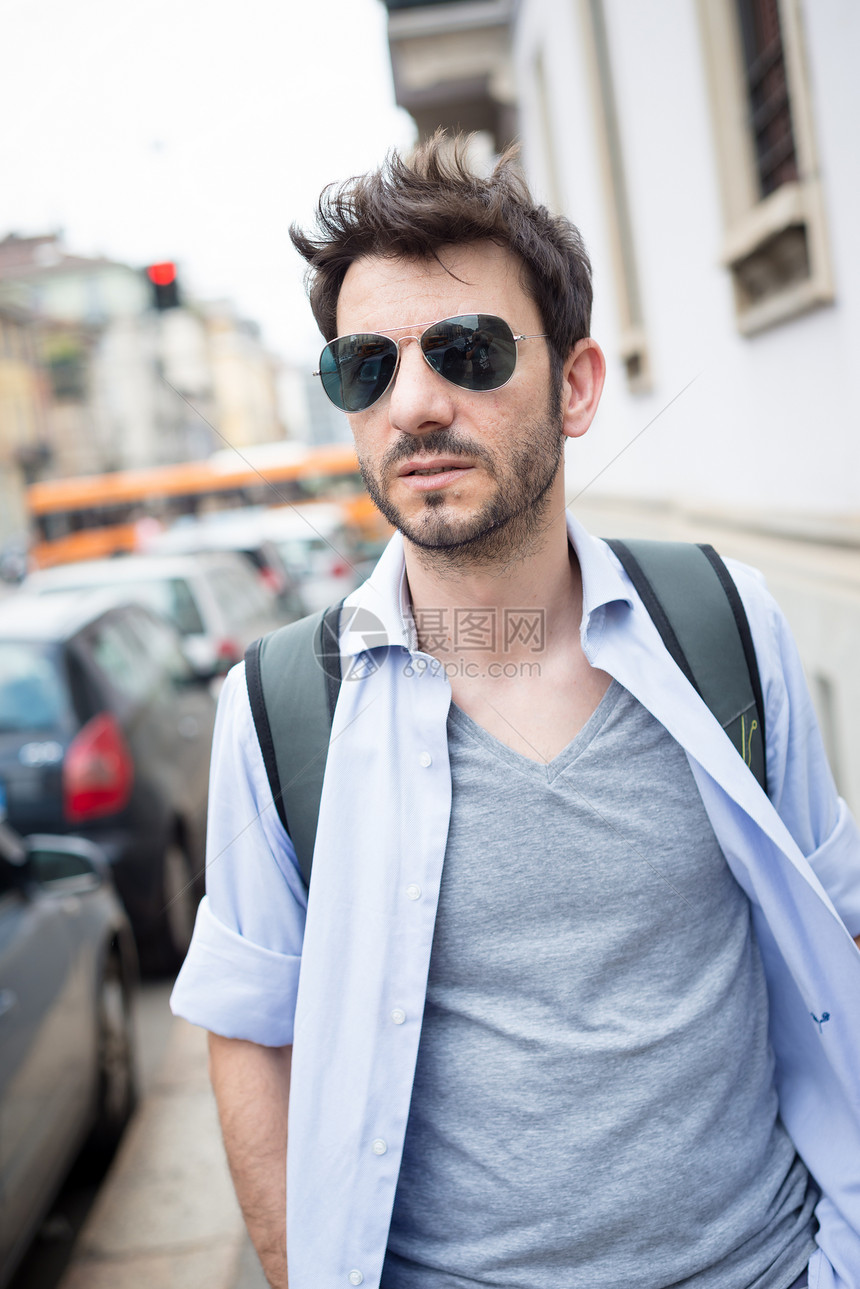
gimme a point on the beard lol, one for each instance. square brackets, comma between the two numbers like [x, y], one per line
[508, 525]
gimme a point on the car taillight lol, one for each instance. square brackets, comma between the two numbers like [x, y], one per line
[97, 771]
[227, 653]
[272, 580]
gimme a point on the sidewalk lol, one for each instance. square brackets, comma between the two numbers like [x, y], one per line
[167, 1216]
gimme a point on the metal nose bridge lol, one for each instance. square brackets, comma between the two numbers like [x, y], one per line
[402, 341]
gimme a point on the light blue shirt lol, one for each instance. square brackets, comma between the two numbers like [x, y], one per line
[342, 977]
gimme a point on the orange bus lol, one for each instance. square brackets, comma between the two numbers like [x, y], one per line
[91, 516]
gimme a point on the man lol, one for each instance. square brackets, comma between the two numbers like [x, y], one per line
[575, 998]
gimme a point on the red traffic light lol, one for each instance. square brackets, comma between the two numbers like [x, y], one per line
[164, 285]
[161, 274]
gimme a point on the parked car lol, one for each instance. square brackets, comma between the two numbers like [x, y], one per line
[319, 548]
[105, 731]
[68, 974]
[234, 530]
[215, 605]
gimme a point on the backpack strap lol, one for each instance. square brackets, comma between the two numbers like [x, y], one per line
[695, 605]
[293, 677]
[294, 674]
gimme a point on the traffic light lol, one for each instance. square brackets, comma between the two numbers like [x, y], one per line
[165, 289]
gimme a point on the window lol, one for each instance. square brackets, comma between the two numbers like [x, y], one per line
[161, 645]
[632, 344]
[121, 656]
[32, 696]
[238, 594]
[65, 359]
[775, 244]
[169, 596]
[767, 94]
[547, 134]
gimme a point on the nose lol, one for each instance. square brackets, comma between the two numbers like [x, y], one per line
[420, 399]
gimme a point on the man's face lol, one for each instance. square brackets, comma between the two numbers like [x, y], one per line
[494, 457]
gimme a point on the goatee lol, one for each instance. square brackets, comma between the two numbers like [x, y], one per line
[510, 523]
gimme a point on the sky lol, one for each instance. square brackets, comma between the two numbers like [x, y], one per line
[194, 131]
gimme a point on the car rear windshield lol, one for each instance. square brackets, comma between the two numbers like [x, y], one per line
[32, 693]
[169, 596]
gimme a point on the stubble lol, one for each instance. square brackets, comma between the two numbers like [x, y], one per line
[511, 522]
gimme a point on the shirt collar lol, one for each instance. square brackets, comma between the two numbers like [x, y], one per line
[603, 579]
[382, 612]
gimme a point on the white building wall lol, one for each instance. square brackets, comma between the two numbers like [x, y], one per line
[769, 422]
[768, 434]
[125, 397]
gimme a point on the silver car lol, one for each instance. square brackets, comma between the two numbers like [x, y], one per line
[214, 599]
[68, 974]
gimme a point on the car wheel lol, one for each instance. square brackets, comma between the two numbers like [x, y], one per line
[117, 1093]
[179, 904]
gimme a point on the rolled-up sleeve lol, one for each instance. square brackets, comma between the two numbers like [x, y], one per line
[241, 974]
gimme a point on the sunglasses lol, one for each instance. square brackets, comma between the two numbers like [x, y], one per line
[474, 351]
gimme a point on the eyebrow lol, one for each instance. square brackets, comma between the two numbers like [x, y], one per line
[407, 326]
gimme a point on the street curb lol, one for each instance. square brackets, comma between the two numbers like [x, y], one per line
[166, 1216]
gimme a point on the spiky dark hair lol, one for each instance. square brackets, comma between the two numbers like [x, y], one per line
[412, 206]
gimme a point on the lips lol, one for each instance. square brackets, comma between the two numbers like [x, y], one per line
[433, 474]
[439, 465]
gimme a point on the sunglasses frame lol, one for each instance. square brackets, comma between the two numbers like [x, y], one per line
[426, 326]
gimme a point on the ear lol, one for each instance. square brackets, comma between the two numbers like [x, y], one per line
[582, 384]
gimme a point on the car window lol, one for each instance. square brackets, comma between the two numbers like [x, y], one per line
[8, 880]
[295, 553]
[32, 693]
[183, 611]
[236, 592]
[121, 656]
[161, 645]
[257, 597]
[255, 556]
[172, 597]
[85, 696]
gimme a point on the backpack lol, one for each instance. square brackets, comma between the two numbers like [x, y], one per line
[293, 674]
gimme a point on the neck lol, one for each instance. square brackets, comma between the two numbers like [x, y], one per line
[543, 581]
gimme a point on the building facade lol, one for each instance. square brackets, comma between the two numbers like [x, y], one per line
[705, 150]
[126, 383]
[23, 428]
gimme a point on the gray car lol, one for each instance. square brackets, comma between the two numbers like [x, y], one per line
[68, 972]
[105, 731]
[215, 599]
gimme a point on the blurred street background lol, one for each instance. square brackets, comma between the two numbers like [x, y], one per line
[173, 482]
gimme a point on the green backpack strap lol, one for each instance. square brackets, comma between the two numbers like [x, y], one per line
[695, 605]
[293, 677]
[295, 674]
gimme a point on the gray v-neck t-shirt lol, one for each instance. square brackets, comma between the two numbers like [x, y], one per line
[593, 1103]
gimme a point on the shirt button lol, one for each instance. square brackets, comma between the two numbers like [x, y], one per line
[379, 1147]
[413, 891]
[425, 759]
[398, 1015]
[355, 1277]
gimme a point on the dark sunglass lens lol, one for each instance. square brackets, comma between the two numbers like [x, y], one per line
[475, 351]
[356, 370]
